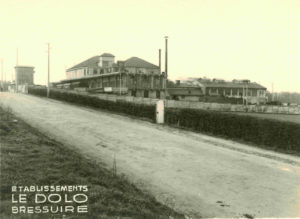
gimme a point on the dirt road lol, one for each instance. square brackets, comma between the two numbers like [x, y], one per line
[194, 173]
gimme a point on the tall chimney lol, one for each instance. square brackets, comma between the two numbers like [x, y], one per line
[1, 73]
[166, 57]
[16, 76]
[159, 60]
[17, 57]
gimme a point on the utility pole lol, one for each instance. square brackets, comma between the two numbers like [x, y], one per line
[166, 56]
[4, 71]
[244, 88]
[2, 87]
[16, 75]
[120, 81]
[246, 95]
[166, 65]
[272, 91]
[17, 57]
[159, 60]
[48, 82]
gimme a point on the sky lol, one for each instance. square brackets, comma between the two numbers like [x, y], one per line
[257, 40]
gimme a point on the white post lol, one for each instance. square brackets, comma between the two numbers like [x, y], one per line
[160, 111]
[48, 79]
[120, 81]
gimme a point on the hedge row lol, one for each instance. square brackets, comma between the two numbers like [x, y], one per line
[220, 99]
[271, 133]
[264, 132]
[139, 110]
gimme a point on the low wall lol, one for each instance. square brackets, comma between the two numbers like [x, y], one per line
[116, 98]
[232, 107]
[226, 107]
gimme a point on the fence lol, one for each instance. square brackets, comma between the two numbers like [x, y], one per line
[232, 107]
[195, 105]
[205, 106]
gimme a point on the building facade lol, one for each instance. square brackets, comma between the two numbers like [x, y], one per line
[24, 75]
[134, 77]
[217, 90]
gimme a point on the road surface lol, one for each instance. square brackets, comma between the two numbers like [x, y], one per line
[196, 174]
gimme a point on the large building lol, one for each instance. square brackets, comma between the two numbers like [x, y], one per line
[218, 90]
[134, 76]
[24, 75]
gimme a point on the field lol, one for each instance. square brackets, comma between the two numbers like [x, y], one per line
[31, 158]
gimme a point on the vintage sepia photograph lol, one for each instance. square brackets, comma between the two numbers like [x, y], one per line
[149, 109]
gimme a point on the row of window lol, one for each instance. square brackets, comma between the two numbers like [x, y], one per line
[235, 92]
[145, 93]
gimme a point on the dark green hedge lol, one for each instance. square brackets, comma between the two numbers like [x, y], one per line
[271, 133]
[220, 99]
[139, 110]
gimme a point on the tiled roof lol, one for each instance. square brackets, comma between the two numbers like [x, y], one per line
[139, 63]
[24, 66]
[87, 77]
[232, 85]
[131, 62]
[107, 55]
[91, 62]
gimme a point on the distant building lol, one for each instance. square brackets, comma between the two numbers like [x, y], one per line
[24, 75]
[106, 64]
[188, 91]
[102, 74]
[218, 90]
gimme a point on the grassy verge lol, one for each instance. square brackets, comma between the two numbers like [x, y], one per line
[30, 158]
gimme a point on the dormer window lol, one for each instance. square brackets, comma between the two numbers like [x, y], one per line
[106, 60]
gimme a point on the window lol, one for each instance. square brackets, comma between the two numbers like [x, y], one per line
[146, 93]
[105, 63]
[158, 94]
[174, 97]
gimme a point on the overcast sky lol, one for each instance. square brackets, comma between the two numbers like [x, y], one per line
[257, 40]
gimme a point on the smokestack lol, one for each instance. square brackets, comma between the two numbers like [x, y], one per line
[166, 57]
[16, 76]
[159, 60]
[272, 91]
[17, 57]
[1, 73]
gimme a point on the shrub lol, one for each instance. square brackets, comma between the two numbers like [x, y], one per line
[139, 110]
[272, 133]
